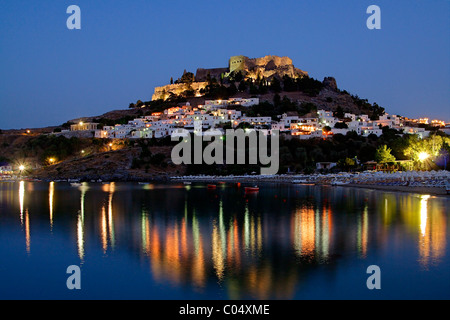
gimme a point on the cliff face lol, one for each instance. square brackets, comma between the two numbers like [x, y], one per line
[177, 89]
[272, 66]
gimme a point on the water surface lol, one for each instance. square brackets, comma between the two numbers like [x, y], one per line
[175, 241]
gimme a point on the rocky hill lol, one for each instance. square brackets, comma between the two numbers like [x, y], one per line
[265, 78]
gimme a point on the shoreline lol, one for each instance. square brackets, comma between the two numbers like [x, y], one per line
[432, 190]
[255, 179]
[408, 189]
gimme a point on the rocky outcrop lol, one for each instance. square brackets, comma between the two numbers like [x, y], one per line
[271, 66]
[266, 67]
[330, 83]
[165, 91]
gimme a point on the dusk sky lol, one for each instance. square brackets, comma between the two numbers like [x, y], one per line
[50, 74]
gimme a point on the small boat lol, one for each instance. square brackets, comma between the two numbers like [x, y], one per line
[211, 186]
[75, 184]
[143, 182]
[252, 189]
[221, 182]
[187, 182]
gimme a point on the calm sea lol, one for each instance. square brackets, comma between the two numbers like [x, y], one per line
[176, 241]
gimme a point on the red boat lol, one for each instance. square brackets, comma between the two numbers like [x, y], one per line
[252, 189]
[211, 186]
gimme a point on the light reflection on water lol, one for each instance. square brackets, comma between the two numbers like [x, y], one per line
[222, 243]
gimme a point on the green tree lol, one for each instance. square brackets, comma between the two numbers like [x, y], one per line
[139, 104]
[383, 155]
[275, 85]
[339, 113]
[187, 77]
[341, 125]
[242, 86]
[289, 84]
[276, 100]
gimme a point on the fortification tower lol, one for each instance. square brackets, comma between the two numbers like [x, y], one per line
[237, 63]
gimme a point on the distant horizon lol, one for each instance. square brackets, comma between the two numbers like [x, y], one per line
[51, 74]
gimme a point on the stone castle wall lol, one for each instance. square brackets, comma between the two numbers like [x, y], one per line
[201, 74]
[267, 67]
[237, 63]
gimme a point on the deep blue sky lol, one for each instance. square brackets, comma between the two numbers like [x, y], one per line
[49, 74]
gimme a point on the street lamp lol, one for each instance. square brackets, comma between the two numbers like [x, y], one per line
[21, 168]
[423, 156]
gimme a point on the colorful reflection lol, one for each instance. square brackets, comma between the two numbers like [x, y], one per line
[260, 248]
[21, 199]
[311, 232]
[51, 193]
[107, 233]
[80, 221]
[363, 231]
[27, 232]
[433, 233]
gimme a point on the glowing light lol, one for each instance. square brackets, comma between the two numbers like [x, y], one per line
[423, 213]
[112, 237]
[217, 253]
[27, 231]
[80, 237]
[21, 167]
[51, 192]
[423, 156]
[21, 199]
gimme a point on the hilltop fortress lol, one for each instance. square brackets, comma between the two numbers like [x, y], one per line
[266, 67]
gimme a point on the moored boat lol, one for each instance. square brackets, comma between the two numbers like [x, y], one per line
[251, 189]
